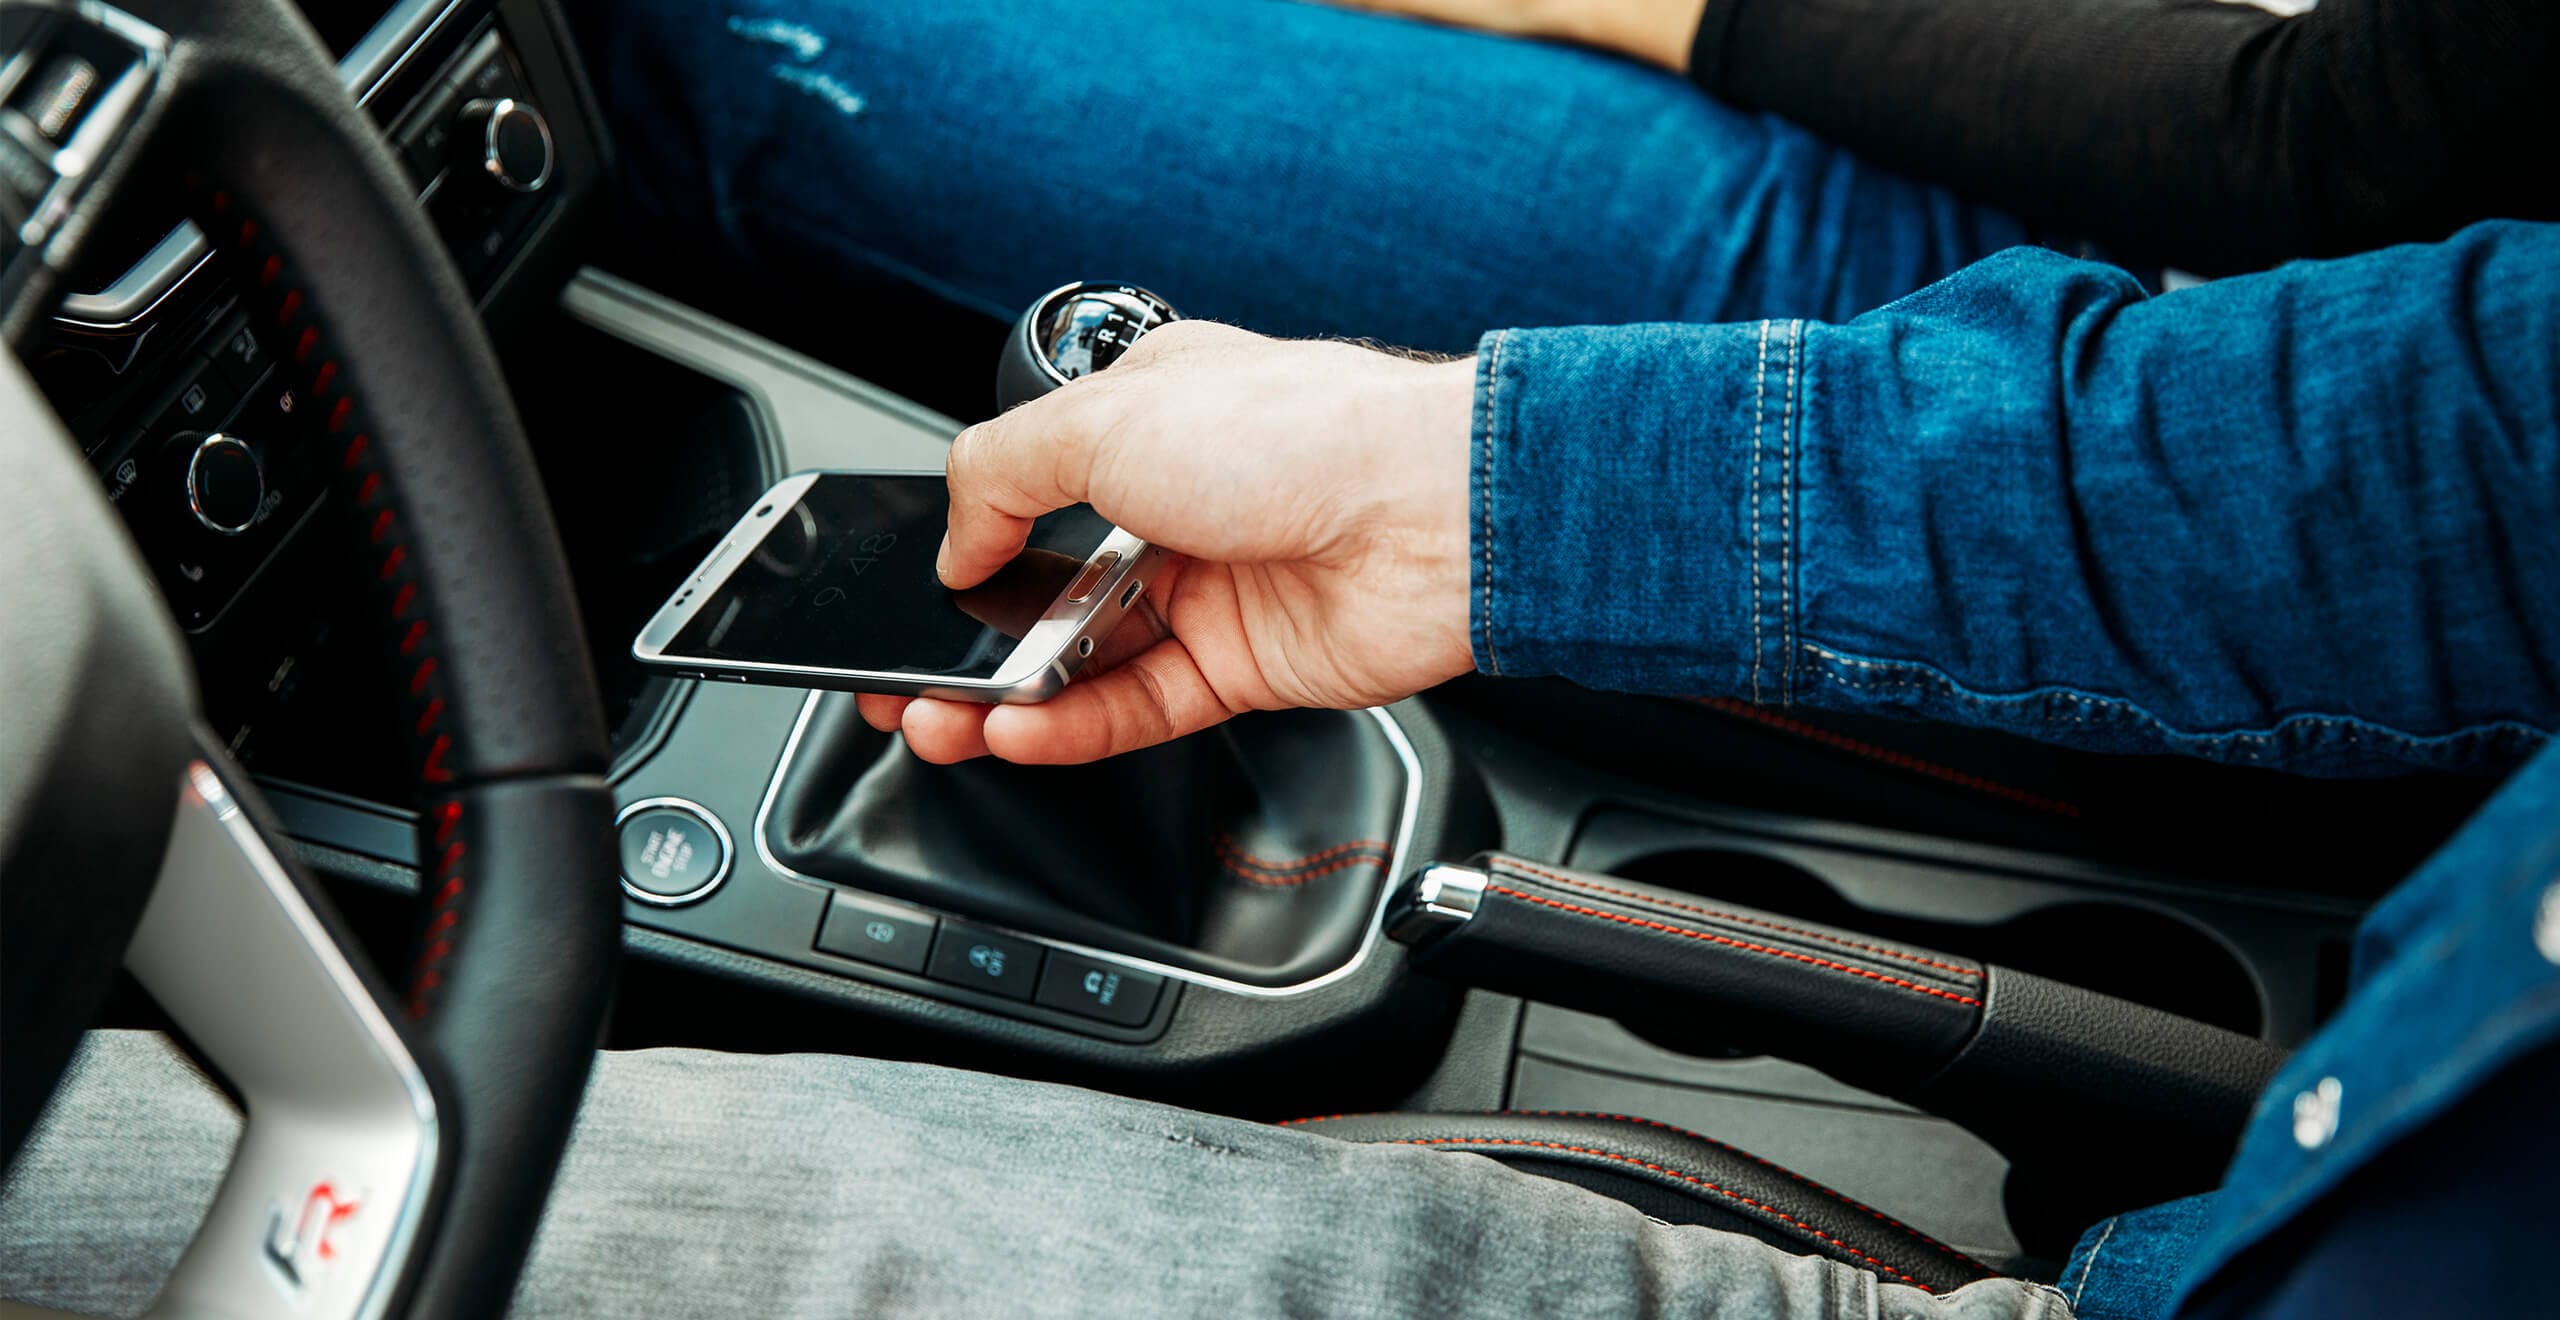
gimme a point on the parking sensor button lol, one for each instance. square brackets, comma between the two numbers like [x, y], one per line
[1089, 987]
[980, 959]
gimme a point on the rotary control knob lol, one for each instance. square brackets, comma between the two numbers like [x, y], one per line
[1072, 332]
[506, 141]
[226, 485]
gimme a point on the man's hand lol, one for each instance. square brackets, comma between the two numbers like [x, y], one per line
[1658, 32]
[1315, 496]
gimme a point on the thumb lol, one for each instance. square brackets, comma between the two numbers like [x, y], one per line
[1006, 472]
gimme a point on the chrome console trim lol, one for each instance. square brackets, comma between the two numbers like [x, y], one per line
[1369, 937]
[124, 306]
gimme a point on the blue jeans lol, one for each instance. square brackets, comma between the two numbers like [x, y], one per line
[1293, 168]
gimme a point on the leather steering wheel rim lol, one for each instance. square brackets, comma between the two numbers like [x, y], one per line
[519, 916]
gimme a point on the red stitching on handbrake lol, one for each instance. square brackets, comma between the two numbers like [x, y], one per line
[1743, 710]
[1877, 949]
[1745, 945]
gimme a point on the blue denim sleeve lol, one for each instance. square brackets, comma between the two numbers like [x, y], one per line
[2306, 518]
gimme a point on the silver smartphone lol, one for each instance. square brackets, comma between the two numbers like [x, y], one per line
[828, 581]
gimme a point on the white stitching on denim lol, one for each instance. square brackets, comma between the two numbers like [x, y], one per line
[1787, 524]
[1492, 432]
[2254, 745]
[1759, 414]
[2090, 1266]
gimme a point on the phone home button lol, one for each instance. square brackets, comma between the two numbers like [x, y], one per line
[1102, 563]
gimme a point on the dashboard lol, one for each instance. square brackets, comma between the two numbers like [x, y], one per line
[175, 396]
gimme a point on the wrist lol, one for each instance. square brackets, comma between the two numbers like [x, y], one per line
[1442, 443]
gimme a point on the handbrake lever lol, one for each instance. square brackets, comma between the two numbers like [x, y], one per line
[2140, 1104]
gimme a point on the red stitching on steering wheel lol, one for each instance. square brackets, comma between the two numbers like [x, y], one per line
[413, 639]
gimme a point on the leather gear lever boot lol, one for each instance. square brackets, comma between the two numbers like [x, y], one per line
[1257, 851]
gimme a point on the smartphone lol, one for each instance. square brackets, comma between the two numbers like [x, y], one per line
[828, 581]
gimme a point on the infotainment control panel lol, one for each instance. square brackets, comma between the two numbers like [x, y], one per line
[173, 391]
[481, 148]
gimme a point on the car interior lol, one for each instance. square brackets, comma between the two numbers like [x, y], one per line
[353, 441]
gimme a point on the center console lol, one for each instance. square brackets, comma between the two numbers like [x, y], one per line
[1205, 915]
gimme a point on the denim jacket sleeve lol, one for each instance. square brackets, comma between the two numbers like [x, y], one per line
[2307, 518]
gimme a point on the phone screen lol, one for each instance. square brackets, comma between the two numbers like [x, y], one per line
[844, 580]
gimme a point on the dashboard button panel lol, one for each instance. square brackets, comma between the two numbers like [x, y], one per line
[481, 151]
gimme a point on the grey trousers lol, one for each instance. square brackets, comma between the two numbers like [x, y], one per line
[704, 1184]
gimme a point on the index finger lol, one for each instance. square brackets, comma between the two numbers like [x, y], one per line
[1006, 472]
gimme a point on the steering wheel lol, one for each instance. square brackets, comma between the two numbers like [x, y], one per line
[399, 1143]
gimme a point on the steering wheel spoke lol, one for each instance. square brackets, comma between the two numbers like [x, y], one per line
[401, 1137]
[335, 1171]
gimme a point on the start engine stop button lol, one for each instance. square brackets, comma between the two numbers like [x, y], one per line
[673, 851]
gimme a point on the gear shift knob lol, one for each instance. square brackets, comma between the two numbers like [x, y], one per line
[1072, 332]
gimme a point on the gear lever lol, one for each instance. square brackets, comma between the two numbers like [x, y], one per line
[1071, 332]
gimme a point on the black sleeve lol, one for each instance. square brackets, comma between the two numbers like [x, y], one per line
[2201, 134]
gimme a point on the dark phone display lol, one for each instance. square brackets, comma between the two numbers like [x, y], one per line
[844, 580]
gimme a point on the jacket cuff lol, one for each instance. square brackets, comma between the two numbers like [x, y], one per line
[1633, 506]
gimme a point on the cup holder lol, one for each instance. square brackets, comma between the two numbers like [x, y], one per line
[2124, 949]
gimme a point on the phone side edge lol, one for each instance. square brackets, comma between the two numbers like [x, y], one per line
[1044, 662]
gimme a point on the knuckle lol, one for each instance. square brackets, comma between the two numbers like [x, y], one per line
[1174, 337]
[966, 456]
[1156, 718]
